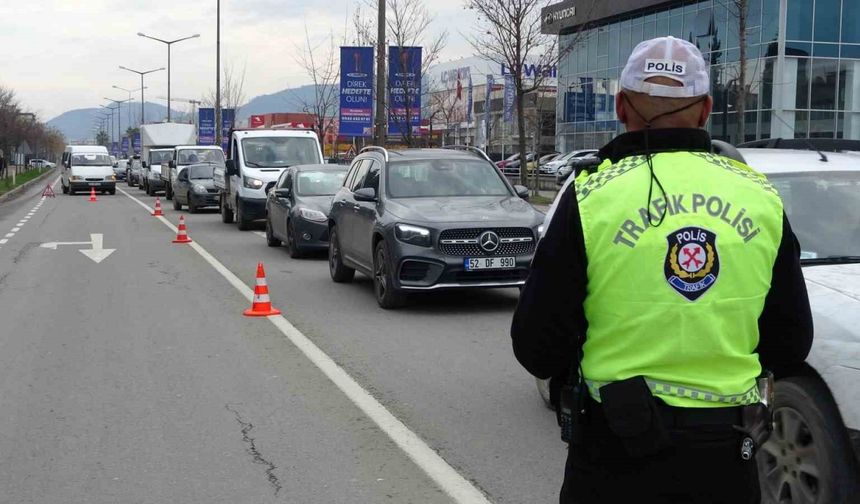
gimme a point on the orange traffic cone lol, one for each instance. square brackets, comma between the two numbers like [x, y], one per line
[157, 211]
[262, 306]
[93, 194]
[182, 234]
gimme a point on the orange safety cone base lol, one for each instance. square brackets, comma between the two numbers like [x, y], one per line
[93, 194]
[182, 239]
[157, 211]
[250, 312]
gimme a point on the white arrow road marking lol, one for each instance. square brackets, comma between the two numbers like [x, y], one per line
[97, 253]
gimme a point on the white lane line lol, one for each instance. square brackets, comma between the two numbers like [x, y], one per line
[259, 233]
[24, 220]
[15, 229]
[10, 235]
[449, 480]
[2, 241]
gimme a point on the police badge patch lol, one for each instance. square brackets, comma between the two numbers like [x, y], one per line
[692, 263]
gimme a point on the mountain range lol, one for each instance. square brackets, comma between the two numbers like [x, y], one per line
[78, 124]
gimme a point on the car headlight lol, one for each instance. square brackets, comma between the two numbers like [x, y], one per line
[412, 234]
[312, 215]
[540, 230]
[252, 183]
[75, 177]
[199, 189]
[110, 177]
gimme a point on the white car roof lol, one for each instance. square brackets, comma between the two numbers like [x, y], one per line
[200, 147]
[99, 149]
[263, 133]
[772, 161]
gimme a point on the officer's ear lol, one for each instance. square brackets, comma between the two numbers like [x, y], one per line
[620, 109]
[706, 111]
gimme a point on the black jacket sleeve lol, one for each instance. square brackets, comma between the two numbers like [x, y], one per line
[785, 324]
[550, 318]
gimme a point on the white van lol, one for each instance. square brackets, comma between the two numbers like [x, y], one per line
[85, 167]
[257, 158]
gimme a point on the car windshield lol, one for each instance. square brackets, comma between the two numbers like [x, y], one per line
[319, 183]
[91, 160]
[192, 156]
[201, 172]
[822, 208]
[443, 178]
[160, 157]
[279, 152]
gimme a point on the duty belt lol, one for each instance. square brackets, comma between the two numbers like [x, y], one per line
[751, 396]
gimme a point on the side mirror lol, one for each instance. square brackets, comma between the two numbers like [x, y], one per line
[230, 166]
[522, 191]
[283, 193]
[365, 194]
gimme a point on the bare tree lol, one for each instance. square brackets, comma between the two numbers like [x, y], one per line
[408, 24]
[321, 63]
[442, 105]
[508, 32]
[232, 89]
[738, 9]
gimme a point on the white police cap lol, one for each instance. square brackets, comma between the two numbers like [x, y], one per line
[667, 57]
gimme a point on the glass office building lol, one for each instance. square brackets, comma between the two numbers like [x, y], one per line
[802, 70]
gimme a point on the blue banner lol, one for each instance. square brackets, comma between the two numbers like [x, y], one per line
[114, 148]
[488, 103]
[356, 91]
[404, 90]
[469, 102]
[510, 93]
[227, 117]
[136, 143]
[206, 126]
[125, 145]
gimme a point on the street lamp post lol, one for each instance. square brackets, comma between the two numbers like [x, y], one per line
[168, 43]
[110, 125]
[118, 118]
[218, 139]
[142, 87]
[129, 91]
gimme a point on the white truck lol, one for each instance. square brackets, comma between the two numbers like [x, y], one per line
[157, 142]
[256, 158]
[185, 155]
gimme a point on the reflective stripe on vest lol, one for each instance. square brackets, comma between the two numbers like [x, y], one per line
[751, 396]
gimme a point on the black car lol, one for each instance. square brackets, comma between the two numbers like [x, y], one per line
[428, 219]
[195, 187]
[297, 207]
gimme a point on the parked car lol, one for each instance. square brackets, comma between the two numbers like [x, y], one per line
[587, 159]
[194, 186]
[552, 167]
[429, 219]
[298, 204]
[511, 165]
[257, 157]
[86, 167]
[37, 163]
[812, 455]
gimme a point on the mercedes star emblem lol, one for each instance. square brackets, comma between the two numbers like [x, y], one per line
[489, 241]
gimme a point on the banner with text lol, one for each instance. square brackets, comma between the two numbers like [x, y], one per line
[404, 90]
[114, 149]
[228, 115]
[135, 144]
[125, 145]
[206, 126]
[510, 93]
[356, 91]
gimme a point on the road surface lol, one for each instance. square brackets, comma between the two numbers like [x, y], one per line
[137, 379]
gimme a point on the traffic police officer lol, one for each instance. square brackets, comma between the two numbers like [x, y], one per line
[666, 282]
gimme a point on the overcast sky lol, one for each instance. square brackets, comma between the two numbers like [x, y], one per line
[64, 54]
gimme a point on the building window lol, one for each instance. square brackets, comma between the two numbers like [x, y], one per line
[823, 77]
[802, 97]
[770, 21]
[851, 21]
[847, 83]
[798, 25]
[822, 124]
[827, 20]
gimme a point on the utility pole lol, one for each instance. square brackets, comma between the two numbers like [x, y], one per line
[380, 75]
[218, 139]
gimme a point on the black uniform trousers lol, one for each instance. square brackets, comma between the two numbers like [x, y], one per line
[703, 465]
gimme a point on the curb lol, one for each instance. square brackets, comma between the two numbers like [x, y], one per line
[21, 188]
